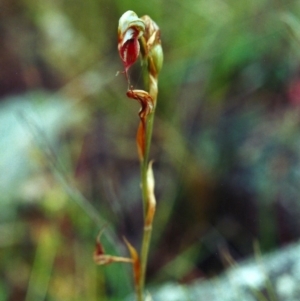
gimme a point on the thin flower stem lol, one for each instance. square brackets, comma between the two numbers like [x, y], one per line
[147, 231]
[139, 293]
[144, 255]
[145, 162]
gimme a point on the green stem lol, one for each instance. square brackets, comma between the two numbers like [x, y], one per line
[144, 255]
[139, 293]
[145, 162]
[147, 229]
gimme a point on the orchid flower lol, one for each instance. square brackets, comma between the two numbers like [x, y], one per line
[135, 35]
[130, 29]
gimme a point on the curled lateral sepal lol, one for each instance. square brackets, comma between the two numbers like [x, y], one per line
[151, 201]
[101, 258]
[135, 263]
[146, 102]
[130, 29]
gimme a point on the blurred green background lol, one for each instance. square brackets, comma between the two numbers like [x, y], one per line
[226, 142]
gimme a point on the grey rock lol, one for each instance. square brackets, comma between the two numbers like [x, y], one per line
[274, 277]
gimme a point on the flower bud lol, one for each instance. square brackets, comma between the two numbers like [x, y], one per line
[157, 56]
[154, 49]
